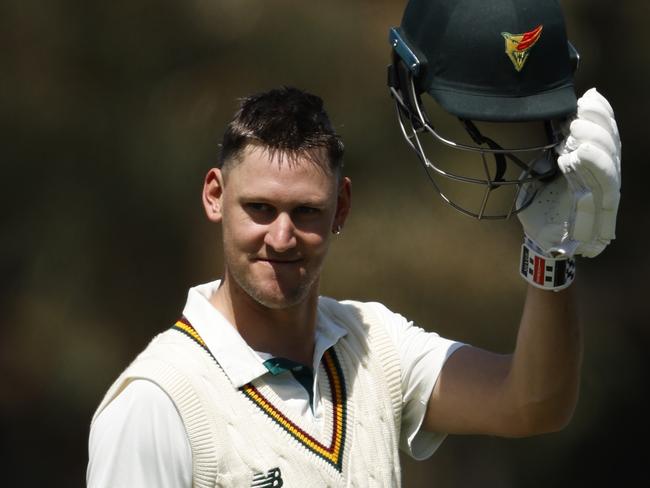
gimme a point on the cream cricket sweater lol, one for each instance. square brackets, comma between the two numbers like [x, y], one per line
[248, 437]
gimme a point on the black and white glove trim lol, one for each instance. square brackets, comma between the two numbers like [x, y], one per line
[544, 271]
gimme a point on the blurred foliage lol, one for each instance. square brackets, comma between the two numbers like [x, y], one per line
[111, 113]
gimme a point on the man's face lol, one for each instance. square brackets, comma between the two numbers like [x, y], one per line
[277, 219]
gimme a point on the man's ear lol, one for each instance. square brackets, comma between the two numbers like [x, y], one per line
[343, 204]
[212, 194]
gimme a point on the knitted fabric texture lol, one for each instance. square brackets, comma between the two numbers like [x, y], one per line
[236, 434]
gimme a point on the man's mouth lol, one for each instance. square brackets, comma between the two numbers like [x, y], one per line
[279, 260]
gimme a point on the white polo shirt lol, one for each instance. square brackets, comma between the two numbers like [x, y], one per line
[139, 439]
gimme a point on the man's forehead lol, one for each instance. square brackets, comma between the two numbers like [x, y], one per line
[261, 172]
[278, 158]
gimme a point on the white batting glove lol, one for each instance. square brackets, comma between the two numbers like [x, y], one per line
[575, 214]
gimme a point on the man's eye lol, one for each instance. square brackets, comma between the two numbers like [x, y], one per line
[258, 207]
[304, 210]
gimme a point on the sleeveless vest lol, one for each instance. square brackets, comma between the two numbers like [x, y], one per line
[246, 436]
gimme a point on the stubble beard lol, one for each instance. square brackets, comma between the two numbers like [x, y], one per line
[280, 297]
[284, 298]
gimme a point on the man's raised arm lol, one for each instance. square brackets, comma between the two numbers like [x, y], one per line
[535, 389]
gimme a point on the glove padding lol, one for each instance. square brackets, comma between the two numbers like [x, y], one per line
[575, 214]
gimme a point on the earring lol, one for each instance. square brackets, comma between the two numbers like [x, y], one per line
[336, 231]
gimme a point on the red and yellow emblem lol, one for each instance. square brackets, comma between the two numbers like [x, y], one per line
[518, 45]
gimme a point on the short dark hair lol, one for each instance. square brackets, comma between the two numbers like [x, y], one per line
[286, 120]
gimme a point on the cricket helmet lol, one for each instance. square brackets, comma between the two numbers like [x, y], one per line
[484, 63]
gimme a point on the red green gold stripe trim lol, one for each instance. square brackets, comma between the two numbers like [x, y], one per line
[332, 453]
[183, 325]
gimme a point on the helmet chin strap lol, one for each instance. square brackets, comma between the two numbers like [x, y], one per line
[480, 139]
[500, 157]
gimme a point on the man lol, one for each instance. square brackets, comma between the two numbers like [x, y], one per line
[261, 380]
[264, 383]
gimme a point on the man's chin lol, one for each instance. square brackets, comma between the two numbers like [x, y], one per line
[276, 292]
[279, 300]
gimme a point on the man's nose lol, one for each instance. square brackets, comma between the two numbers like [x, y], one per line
[281, 234]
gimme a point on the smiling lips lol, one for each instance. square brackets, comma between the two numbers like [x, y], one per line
[279, 260]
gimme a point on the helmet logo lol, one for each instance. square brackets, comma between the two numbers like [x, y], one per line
[518, 45]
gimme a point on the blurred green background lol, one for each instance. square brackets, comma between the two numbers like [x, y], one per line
[111, 114]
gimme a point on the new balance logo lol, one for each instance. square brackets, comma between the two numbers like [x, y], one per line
[272, 479]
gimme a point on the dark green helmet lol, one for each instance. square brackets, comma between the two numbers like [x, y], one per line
[496, 61]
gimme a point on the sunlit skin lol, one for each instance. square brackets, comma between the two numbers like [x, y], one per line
[277, 216]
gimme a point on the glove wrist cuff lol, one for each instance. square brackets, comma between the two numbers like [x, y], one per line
[544, 271]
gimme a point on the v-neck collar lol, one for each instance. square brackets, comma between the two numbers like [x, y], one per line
[264, 399]
[335, 412]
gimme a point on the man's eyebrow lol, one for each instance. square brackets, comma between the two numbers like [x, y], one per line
[309, 201]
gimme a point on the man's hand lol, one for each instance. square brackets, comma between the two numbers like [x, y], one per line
[575, 214]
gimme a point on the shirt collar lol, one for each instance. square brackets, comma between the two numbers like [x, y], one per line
[241, 363]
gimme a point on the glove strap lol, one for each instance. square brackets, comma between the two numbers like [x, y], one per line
[544, 271]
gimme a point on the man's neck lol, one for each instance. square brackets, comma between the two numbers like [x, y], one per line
[287, 332]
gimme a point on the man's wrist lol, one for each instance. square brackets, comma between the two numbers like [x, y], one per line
[543, 270]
